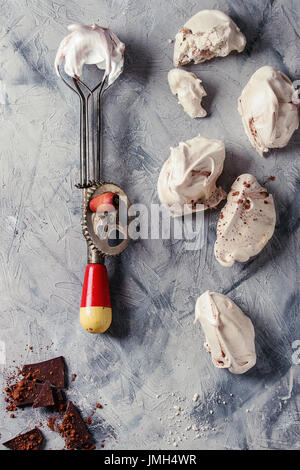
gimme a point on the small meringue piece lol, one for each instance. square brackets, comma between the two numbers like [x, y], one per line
[208, 34]
[189, 90]
[246, 223]
[229, 333]
[195, 397]
[91, 45]
[189, 175]
[268, 113]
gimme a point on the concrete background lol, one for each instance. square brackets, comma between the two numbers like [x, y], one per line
[152, 362]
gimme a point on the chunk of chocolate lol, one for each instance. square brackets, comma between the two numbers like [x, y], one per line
[74, 430]
[45, 397]
[59, 399]
[52, 370]
[25, 392]
[31, 440]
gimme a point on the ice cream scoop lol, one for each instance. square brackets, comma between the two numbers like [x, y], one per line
[208, 34]
[189, 90]
[91, 45]
[229, 333]
[268, 113]
[189, 175]
[106, 233]
[246, 222]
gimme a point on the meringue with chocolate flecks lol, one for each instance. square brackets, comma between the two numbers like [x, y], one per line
[208, 34]
[188, 178]
[268, 112]
[91, 45]
[229, 333]
[246, 222]
[189, 90]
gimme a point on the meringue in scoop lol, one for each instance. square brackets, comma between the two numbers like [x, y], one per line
[229, 333]
[189, 175]
[208, 34]
[189, 90]
[246, 222]
[268, 113]
[91, 45]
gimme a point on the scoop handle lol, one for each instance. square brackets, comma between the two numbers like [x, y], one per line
[95, 310]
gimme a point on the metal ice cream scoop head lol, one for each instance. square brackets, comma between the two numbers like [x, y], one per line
[104, 208]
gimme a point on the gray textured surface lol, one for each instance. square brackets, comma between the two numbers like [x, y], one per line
[152, 349]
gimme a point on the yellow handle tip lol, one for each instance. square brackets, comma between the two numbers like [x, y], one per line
[95, 319]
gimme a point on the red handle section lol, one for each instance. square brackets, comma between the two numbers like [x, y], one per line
[95, 292]
[95, 310]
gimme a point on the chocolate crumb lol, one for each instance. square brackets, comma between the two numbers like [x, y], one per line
[247, 204]
[51, 423]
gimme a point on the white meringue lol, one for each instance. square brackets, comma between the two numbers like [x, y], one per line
[229, 333]
[246, 223]
[91, 45]
[208, 34]
[189, 90]
[269, 115]
[189, 175]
